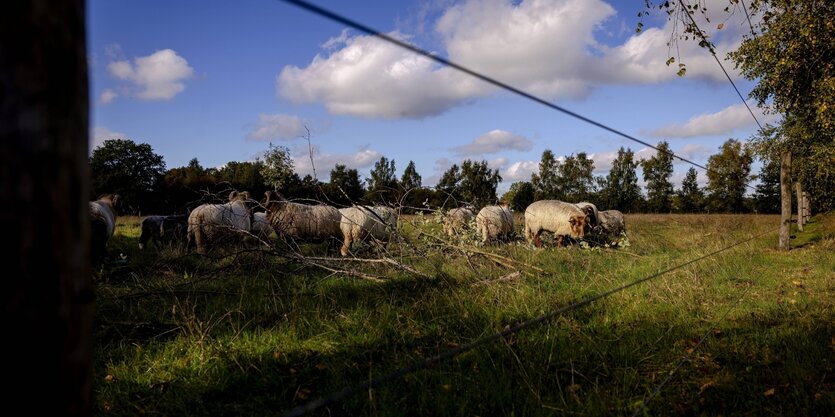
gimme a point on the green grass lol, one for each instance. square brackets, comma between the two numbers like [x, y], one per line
[257, 334]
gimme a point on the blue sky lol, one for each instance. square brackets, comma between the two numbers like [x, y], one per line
[218, 81]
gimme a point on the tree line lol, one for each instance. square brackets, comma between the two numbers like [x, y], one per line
[140, 176]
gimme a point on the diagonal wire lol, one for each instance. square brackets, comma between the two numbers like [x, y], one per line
[426, 363]
[687, 357]
[713, 52]
[371, 31]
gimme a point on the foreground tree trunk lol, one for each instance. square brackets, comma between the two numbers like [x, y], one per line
[44, 185]
[785, 200]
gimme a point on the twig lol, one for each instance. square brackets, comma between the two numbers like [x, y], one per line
[513, 276]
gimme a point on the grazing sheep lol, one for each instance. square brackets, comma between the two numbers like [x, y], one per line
[457, 220]
[494, 222]
[261, 227]
[612, 223]
[591, 213]
[161, 229]
[361, 222]
[102, 224]
[208, 223]
[554, 216]
[300, 221]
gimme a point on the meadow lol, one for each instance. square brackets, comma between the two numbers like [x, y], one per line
[260, 330]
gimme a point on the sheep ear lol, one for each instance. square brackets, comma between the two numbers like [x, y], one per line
[232, 195]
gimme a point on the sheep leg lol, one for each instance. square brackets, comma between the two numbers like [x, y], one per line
[536, 241]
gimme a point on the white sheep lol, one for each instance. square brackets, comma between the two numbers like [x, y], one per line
[102, 223]
[590, 211]
[300, 221]
[208, 223]
[494, 222]
[261, 227]
[457, 220]
[361, 222]
[557, 217]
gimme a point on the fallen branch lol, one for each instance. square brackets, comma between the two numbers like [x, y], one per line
[485, 253]
[513, 276]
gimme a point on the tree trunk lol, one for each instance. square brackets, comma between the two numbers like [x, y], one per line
[807, 208]
[44, 215]
[785, 200]
[799, 196]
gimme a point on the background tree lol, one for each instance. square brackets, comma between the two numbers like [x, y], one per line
[382, 185]
[131, 170]
[305, 190]
[478, 183]
[344, 188]
[767, 194]
[657, 171]
[728, 176]
[546, 181]
[244, 176]
[520, 195]
[277, 167]
[187, 187]
[690, 198]
[575, 181]
[620, 190]
[448, 191]
[412, 194]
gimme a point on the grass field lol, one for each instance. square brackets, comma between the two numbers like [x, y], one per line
[256, 333]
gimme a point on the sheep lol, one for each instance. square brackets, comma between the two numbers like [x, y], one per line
[611, 223]
[102, 224]
[210, 222]
[300, 221]
[555, 216]
[160, 229]
[494, 222]
[591, 213]
[361, 222]
[457, 220]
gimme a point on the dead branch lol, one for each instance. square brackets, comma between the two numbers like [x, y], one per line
[513, 276]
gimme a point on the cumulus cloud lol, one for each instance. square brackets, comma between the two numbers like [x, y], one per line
[363, 158]
[372, 78]
[100, 134]
[547, 48]
[158, 76]
[493, 142]
[108, 96]
[277, 127]
[718, 123]
[520, 171]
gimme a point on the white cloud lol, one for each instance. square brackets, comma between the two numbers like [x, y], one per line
[603, 161]
[158, 76]
[493, 142]
[547, 48]
[100, 134]
[108, 96]
[372, 78]
[277, 127]
[324, 163]
[719, 123]
[520, 171]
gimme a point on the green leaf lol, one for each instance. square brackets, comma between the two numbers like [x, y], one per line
[671, 60]
[681, 72]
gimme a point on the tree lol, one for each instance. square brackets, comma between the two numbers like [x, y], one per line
[546, 181]
[728, 176]
[411, 178]
[244, 176]
[789, 54]
[277, 167]
[575, 180]
[690, 197]
[448, 192]
[520, 195]
[620, 190]
[382, 185]
[345, 188]
[767, 195]
[478, 183]
[186, 187]
[657, 171]
[120, 166]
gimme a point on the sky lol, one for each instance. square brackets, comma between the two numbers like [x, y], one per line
[220, 81]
